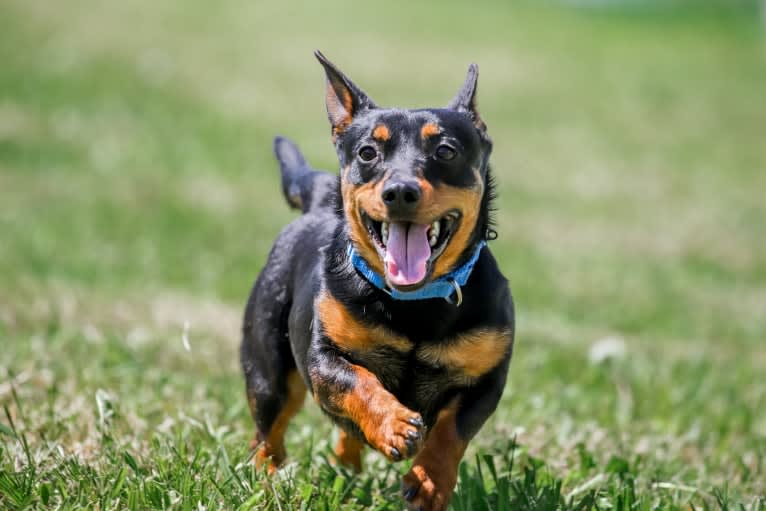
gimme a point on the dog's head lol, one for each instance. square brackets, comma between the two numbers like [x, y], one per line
[414, 183]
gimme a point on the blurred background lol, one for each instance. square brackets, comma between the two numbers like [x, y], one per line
[139, 198]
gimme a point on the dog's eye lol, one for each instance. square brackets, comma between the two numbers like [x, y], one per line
[445, 152]
[367, 153]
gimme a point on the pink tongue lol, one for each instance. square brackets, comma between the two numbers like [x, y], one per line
[407, 253]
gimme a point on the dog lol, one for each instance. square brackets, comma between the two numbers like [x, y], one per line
[382, 299]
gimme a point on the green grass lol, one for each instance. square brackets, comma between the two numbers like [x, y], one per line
[139, 198]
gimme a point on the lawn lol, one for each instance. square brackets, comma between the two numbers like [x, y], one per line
[139, 198]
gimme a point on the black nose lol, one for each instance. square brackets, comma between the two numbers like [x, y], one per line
[401, 196]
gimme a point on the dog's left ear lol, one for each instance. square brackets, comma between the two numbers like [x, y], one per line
[344, 99]
[465, 100]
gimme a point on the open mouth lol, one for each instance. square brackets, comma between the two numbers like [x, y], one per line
[407, 249]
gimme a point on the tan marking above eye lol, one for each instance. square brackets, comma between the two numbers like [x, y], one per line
[429, 129]
[381, 133]
[471, 353]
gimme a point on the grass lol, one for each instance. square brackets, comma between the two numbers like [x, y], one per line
[139, 198]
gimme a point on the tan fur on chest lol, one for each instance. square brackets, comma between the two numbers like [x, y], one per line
[472, 353]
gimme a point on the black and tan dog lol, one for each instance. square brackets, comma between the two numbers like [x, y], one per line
[383, 299]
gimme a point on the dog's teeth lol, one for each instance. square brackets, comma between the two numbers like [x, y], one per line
[384, 233]
[435, 229]
[433, 233]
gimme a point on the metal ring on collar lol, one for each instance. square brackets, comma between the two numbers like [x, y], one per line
[458, 292]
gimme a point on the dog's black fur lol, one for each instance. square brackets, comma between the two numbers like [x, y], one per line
[410, 378]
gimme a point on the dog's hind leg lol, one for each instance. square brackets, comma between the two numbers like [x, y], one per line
[275, 389]
[269, 438]
[349, 450]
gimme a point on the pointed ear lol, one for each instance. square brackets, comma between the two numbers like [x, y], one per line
[465, 99]
[343, 98]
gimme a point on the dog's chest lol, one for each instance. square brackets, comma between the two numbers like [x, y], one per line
[459, 359]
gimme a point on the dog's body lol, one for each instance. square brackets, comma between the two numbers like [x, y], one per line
[401, 329]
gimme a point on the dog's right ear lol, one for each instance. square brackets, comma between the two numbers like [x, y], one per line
[343, 98]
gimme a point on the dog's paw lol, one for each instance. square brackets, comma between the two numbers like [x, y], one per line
[266, 455]
[428, 489]
[399, 435]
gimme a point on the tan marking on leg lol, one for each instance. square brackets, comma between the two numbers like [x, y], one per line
[388, 426]
[271, 450]
[434, 470]
[349, 450]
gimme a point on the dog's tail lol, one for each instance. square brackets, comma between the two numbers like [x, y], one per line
[304, 187]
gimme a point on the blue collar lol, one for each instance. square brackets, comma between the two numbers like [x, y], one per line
[443, 287]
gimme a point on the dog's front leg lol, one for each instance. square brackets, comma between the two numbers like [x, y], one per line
[431, 481]
[428, 486]
[349, 391]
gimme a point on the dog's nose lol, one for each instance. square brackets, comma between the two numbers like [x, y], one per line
[401, 197]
